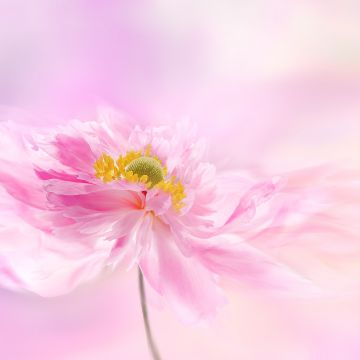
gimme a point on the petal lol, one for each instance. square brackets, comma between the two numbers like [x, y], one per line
[158, 202]
[71, 150]
[22, 186]
[89, 227]
[74, 152]
[131, 248]
[41, 263]
[229, 256]
[97, 213]
[184, 283]
[16, 173]
[102, 200]
[252, 199]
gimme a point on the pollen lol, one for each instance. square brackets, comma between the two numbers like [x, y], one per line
[106, 169]
[141, 167]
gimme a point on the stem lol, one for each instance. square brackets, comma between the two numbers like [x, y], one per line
[152, 346]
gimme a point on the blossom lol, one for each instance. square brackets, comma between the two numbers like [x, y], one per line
[86, 196]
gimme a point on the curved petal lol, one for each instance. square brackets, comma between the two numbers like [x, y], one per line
[88, 213]
[229, 256]
[16, 173]
[36, 261]
[70, 151]
[184, 283]
[98, 200]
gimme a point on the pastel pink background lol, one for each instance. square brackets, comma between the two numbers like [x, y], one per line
[270, 83]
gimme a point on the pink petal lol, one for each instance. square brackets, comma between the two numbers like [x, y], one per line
[102, 200]
[229, 256]
[40, 263]
[96, 212]
[74, 152]
[184, 283]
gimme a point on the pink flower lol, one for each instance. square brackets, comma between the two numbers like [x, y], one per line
[96, 194]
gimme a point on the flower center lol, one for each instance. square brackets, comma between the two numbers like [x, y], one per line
[143, 168]
[146, 165]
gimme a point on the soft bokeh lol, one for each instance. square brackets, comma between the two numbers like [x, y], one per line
[272, 84]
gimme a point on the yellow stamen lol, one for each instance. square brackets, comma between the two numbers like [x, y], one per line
[144, 178]
[106, 169]
[145, 168]
[147, 150]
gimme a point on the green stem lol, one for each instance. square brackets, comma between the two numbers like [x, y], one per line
[152, 346]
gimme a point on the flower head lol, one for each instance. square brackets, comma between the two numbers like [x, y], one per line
[89, 195]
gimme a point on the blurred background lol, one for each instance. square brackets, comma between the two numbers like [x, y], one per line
[270, 83]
